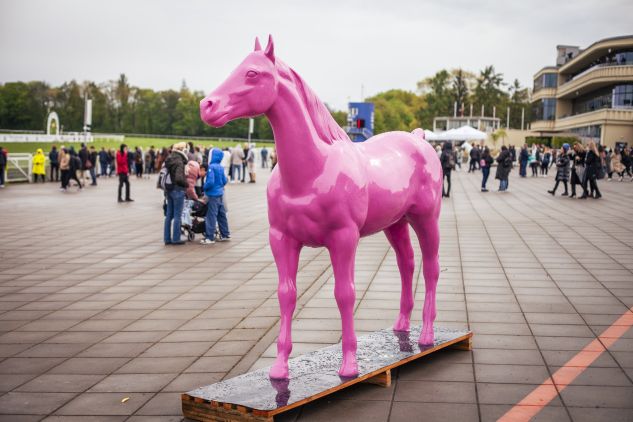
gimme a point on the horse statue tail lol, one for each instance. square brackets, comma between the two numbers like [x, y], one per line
[419, 133]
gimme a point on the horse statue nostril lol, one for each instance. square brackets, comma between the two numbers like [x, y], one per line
[208, 104]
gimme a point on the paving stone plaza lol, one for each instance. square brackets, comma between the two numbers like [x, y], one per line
[94, 309]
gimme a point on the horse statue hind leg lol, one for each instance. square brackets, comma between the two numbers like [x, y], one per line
[428, 232]
[398, 237]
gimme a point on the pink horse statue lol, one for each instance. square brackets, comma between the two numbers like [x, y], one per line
[328, 191]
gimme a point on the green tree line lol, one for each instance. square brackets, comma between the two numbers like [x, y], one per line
[436, 96]
[120, 107]
[117, 107]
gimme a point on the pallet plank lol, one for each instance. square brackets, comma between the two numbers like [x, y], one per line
[255, 397]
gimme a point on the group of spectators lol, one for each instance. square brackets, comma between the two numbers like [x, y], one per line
[190, 173]
[199, 174]
[584, 165]
[480, 159]
[580, 165]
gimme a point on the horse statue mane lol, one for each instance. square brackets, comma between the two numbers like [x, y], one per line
[326, 127]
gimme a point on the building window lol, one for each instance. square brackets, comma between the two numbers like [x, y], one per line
[592, 132]
[544, 109]
[549, 80]
[619, 96]
[623, 96]
[546, 80]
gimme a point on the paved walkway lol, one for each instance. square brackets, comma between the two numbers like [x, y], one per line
[94, 309]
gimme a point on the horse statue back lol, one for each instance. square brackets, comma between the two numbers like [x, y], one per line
[327, 191]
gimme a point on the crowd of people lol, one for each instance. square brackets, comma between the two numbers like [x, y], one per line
[194, 173]
[579, 167]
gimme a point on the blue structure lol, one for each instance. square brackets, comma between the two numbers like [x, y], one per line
[360, 121]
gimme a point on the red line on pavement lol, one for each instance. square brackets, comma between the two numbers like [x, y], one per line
[542, 395]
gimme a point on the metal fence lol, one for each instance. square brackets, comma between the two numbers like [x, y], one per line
[19, 167]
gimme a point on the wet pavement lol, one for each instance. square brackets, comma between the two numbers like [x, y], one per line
[94, 309]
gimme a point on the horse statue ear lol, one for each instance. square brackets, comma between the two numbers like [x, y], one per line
[258, 46]
[270, 49]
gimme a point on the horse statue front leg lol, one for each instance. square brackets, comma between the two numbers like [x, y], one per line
[342, 246]
[286, 252]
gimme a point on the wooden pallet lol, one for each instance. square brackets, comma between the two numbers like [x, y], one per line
[254, 397]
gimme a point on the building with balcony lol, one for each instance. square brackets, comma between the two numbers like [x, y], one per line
[588, 94]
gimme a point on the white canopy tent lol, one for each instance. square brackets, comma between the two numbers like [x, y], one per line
[430, 135]
[464, 133]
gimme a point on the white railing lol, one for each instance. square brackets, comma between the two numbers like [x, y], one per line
[19, 167]
[37, 137]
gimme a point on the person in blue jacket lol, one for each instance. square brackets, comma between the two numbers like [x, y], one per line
[214, 191]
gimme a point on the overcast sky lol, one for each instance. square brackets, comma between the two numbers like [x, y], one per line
[335, 45]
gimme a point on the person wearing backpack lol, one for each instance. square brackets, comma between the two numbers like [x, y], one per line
[175, 193]
[447, 159]
[484, 164]
[122, 170]
[214, 192]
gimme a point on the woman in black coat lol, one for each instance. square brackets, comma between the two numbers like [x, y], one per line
[562, 169]
[578, 170]
[592, 168]
[504, 166]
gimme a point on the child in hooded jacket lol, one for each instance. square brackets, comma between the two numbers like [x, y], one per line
[214, 191]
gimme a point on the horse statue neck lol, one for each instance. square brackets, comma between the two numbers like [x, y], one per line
[304, 131]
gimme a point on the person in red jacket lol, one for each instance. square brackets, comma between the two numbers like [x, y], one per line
[122, 170]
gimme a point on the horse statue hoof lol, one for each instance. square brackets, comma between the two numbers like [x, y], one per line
[349, 368]
[278, 371]
[426, 339]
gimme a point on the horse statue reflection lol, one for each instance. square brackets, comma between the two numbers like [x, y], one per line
[328, 191]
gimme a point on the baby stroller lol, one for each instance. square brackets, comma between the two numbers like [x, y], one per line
[193, 214]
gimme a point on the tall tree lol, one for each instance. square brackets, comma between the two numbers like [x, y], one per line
[436, 91]
[519, 101]
[462, 82]
[488, 90]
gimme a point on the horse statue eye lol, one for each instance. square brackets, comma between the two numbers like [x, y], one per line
[251, 74]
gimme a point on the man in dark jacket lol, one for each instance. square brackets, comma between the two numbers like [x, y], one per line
[523, 161]
[175, 193]
[447, 159]
[475, 156]
[92, 156]
[84, 156]
[53, 158]
[103, 161]
[3, 166]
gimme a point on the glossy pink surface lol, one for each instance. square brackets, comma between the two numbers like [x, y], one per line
[327, 191]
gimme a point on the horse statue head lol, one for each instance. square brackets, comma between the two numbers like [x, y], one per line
[250, 90]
